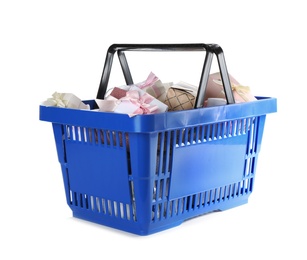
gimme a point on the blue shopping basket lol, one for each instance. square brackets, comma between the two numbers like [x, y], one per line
[151, 172]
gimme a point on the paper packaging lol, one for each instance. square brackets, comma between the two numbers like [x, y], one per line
[215, 89]
[65, 100]
[154, 86]
[211, 102]
[181, 96]
[135, 102]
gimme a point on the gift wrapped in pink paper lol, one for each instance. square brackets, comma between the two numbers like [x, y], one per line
[132, 101]
[215, 90]
[154, 86]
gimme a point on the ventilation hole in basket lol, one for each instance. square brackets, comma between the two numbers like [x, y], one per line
[252, 130]
[213, 196]
[103, 137]
[91, 135]
[80, 199]
[96, 136]
[134, 211]
[123, 139]
[252, 142]
[72, 133]
[192, 135]
[113, 138]
[103, 206]
[249, 166]
[227, 129]
[165, 209]
[92, 203]
[250, 184]
[179, 137]
[182, 202]
[153, 212]
[246, 186]
[218, 131]
[121, 210]
[158, 212]
[84, 201]
[169, 151]
[109, 204]
[174, 207]
[201, 134]
[127, 146]
[171, 209]
[236, 127]
[196, 136]
[67, 132]
[234, 190]
[84, 135]
[188, 203]
[210, 135]
[133, 201]
[154, 193]
[115, 209]
[164, 152]
[75, 199]
[197, 200]
[79, 133]
[224, 192]
[128, 211]
[186, 136]
[205, 133]
[177, 206]
[106, 137]
[167, 186]
[239, 126]
[70, 197]
[161, 189]
[98, 207]
[159, 153]
[210, 197]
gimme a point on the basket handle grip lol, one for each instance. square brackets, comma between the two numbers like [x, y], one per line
[210, 49]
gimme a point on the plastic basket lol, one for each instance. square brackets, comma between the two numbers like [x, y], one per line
[149, 173]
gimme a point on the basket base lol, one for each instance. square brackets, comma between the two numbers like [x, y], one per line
[142, 229]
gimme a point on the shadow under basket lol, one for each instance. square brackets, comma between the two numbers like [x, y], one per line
[149, 173]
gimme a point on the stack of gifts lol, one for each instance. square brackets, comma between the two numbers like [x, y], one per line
[152, 96]
[137, 99]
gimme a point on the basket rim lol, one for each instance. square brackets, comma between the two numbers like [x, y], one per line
[157, 122]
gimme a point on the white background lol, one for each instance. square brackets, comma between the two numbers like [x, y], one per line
[49, 46]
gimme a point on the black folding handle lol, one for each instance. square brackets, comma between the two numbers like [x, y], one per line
[210, 49]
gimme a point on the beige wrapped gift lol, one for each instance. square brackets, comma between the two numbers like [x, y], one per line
[180, 96]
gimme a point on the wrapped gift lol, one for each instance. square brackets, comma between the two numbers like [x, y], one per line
[65, 100]
[135, 102]
[215, 89]
[154, 86]
[180, 96]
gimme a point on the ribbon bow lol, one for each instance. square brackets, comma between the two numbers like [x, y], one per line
[241, 90]
[142, 102]
[56, 100]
